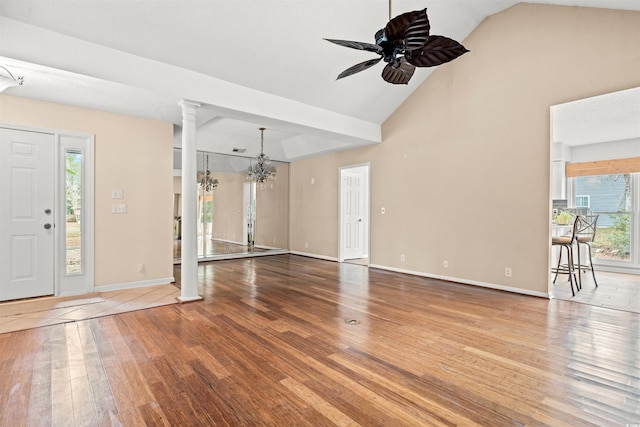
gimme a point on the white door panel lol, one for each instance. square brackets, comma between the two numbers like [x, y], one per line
[353, 215]
[26, 214]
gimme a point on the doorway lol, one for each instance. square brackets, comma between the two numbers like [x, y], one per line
[46, 213]
[354, 214]
[595, 172]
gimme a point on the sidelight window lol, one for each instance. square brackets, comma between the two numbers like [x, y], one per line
[73, 211]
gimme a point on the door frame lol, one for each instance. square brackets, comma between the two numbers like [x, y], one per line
[73, 283]
[366, 228]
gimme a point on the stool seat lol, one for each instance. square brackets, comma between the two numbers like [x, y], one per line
[561, 240]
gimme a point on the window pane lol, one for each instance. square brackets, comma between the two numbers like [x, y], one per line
[582, 201]
[609, 196]
[613, 237]
[73, 225]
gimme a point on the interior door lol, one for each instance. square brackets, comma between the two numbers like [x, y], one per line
[26, 214]
[353, 205]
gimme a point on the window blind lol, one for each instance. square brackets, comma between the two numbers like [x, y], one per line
[603, 167]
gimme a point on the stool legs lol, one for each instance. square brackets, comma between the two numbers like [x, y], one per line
[593, 273]
[568, 269]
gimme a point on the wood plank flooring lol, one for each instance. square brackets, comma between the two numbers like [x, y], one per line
[614, 290]
[270, 345]
[36, 312]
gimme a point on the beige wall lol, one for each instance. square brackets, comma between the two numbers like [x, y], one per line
[463, 169]
[131, 154]
[272, 211]
[228, 207]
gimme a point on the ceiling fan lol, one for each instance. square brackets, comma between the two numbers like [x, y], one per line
[404, 44]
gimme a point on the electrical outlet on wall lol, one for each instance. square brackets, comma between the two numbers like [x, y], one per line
[507, 272]
[119, 208]
[445, 264]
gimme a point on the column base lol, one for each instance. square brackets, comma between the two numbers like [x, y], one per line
[184, 300]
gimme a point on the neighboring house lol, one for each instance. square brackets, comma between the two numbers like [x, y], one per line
[602, 194]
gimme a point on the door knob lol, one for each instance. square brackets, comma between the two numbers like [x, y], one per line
[47, 211]
[47, 226]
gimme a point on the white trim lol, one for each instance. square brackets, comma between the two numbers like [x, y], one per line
[466, 282]
[84, 281]
[132, 285]
[326, 258]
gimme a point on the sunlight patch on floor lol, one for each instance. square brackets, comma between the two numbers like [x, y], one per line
[33, 313]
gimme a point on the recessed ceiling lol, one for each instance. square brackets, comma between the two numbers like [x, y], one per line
[249, 63]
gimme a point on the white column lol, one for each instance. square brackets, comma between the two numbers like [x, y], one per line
[189, 246]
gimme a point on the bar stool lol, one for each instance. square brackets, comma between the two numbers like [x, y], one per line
[566, 242]
[585, 235]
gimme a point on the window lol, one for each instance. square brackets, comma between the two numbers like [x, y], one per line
[610, 197]
[73, 212]
[583, 201]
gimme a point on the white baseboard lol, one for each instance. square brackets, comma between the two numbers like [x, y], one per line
[326, 258]
[466, 282]
[131, 285]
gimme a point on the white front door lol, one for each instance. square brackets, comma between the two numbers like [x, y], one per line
[353, 205]
[27, 184]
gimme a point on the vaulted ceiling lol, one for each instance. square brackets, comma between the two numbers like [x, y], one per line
[249, 63]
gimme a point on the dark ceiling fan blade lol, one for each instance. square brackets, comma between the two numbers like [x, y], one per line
[399, 74]
[412, 27]
[357, 45]
[359, 67]
[436, 51]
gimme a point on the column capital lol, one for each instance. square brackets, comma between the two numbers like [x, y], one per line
[186, 103]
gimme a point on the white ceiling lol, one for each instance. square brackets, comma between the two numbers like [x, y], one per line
[604, 118]
[249, 63]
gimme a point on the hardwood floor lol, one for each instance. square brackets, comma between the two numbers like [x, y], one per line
[271, 344]
[35, 312]
[614, 290]
[215, 248]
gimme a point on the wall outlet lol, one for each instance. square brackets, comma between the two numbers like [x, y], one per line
[382, 211]
[306, 245]
[119, 208]
[507, 272]
[402, 258]
[140, 268]
[445, 264]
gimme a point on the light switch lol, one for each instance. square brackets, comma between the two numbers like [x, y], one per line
[116, 194]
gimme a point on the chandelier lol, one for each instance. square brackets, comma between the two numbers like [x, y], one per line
[205, 180]
[262, 170]
[207, 183]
